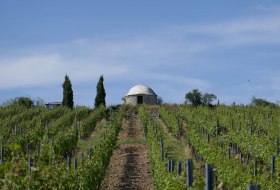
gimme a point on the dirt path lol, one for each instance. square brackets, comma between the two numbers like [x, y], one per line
[130, 166]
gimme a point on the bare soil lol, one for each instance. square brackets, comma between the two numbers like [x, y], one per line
[130, 129]
[188, 152]
[130, 167]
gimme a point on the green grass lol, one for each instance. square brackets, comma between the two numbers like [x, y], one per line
[175, 148]
[132, 141]
[94, 139]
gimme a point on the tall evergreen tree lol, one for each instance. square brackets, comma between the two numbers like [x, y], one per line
[67, 93]
[100, 93]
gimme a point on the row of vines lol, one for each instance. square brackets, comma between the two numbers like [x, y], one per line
[241, 143]
[39, 147]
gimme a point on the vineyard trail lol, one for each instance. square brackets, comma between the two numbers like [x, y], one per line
[130, 167]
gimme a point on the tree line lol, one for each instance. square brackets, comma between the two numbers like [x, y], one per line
[68, 96]
[197, 98]
[194, 97]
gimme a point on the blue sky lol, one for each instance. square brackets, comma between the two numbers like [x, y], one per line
[229, 48]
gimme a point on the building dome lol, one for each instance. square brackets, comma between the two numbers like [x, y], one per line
[140, 94]
[140, 89]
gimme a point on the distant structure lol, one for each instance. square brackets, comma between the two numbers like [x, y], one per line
[140, 94]
[52, 105]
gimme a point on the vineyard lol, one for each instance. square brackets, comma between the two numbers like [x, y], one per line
[146, 147]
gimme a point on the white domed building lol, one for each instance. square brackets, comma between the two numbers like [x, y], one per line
[140, 94]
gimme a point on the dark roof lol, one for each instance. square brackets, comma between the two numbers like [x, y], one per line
[54, 103]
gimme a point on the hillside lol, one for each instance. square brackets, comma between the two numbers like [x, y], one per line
[146, 147]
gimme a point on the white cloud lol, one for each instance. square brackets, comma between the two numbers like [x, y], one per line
[186, 81]
[25, 71]
[272, 9]
[261, 29]
[47, 69]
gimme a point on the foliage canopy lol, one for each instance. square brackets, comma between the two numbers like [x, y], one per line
[196, 98]
[100, 93]
[67, 93]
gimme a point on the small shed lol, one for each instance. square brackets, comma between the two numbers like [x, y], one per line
[140, 94]
[52, 105]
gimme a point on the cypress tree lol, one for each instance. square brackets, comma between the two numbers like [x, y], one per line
[100, 93]
[67, 93]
